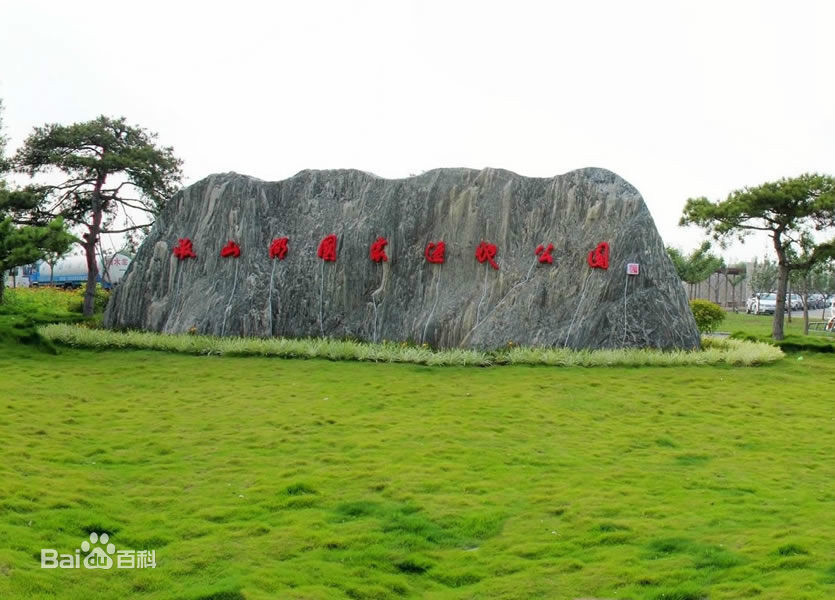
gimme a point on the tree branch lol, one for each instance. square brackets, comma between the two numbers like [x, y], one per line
[135, 227]
[137, 207]
[114, 191]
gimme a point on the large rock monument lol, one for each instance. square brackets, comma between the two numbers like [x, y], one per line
[344, 253]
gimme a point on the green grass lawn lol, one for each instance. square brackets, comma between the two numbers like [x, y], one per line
[267, 478]
[761, 324]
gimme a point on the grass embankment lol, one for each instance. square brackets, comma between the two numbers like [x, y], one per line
[24, 309]
[256, 478]
[757, 328]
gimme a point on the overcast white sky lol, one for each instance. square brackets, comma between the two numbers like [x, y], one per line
[681, 98]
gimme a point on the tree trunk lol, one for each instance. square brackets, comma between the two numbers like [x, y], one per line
[805, 313]
[2, 285]
[90, 240]
[51, 274]
[782, 282]
[92, 268]
[105, 264]
[726, 287]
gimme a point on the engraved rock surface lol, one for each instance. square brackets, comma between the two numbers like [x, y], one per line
[460, 303]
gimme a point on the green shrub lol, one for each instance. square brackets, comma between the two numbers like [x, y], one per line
[38, 301]
[99, 304]
[707, 314]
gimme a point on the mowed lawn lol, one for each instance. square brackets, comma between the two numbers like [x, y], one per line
[761, 324]
[264, 478]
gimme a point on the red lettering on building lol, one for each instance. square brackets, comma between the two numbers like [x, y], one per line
[434, 253]
[327, 248]
[278, 248]
[487, 253]
[183, 249]
[230, 250]
[378, 250]
[544, 254]
[599, 257]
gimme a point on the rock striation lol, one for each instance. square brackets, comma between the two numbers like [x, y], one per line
[458, 303]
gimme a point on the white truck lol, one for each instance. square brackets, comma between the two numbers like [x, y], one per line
[17, 278]
[71, 271]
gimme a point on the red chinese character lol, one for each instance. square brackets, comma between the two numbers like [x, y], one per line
[487, 252]
[183, 249]
[599, 257]
[278, 248]
[230, 249]
[378, 250]
[544, 254]
[327, 248]
[434, 253]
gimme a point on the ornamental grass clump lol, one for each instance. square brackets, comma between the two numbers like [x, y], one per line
[713, 352]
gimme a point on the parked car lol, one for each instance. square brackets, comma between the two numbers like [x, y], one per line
[795, 301]
[761, 304]
[813, 301]
[817, 301]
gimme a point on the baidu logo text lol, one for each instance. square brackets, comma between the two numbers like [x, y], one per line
[98, 554]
